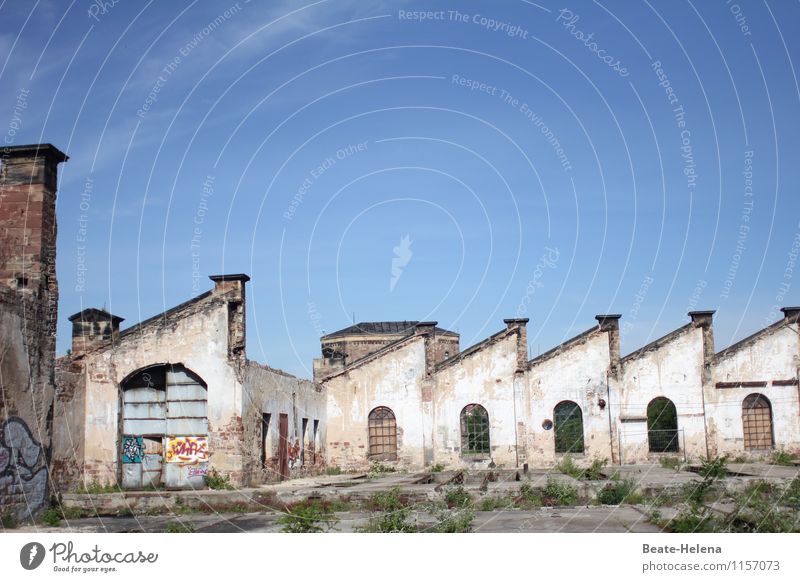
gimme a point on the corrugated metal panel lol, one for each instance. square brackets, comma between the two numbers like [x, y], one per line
[186, 392]
[132, 476]
[144, 410]
[179, 376]
[144, 427]
[183, 409]
[145, 395]
[187, 426]
[177, 475]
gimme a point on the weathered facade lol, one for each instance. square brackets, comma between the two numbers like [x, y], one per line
[28, 313]
[490, 406]
[174, 397]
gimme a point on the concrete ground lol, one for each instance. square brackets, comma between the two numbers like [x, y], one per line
[255, 509]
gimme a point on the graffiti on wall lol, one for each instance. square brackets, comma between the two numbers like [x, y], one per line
[23, 473]
[187, 450]
[132, 449]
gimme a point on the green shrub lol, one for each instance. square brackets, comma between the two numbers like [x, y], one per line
[556, 493]
[378, 469]
[528, 497]
[335, 470]
[392, 513]
[592, 473]
[715, 467]
[693, 520]
[180, 527]
[697, 493]
[214, 480]
[783, 458]
[595, 471]
[95, 488]
[8, 521]
[457, 497]
[454, 521]
[492, 503]
[51, 517]
[437, 468]
[617, 492]
[670, 462]
[310, 516]
[568, 467]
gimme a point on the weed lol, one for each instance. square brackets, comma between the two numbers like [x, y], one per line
[568, 467]
[619, 491]
[528, 497]
[715, 467]
[180, 527]
[216, 481]
[454, 520]
[457, 497]
[309, 516]
[335, 470]
[670, 463]
[378, 469]
[692, 520]
[393, 514]
[95, 488]
[696, 493]
[437, 468]
[595, 471]
[556, 493]
[783, 458]
[492, 503]
[8, 521]
[51, 517]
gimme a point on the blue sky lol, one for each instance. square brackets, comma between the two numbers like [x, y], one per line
[489, 160]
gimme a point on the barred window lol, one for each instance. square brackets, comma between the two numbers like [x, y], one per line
[568, 427]
[382, 435]
[662, 426]
[757, 423]
[474, 430]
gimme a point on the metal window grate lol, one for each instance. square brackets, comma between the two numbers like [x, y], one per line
[474, 430]
[662, 426]
[568, 427]
[757, 423]
[382, 434]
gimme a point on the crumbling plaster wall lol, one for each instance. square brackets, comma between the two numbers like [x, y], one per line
[393, 379]
[576, 373]
[672, 368]
[485, 377]
[275, 392]
[773, 356]
[196, 338]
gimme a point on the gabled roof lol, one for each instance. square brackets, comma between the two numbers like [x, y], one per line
[382, 328]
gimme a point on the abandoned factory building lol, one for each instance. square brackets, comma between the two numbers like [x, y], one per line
[171, 399]
[402, 392]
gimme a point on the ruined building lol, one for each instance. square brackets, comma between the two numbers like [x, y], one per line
[489, 405]
[28, 313]
[169, 399]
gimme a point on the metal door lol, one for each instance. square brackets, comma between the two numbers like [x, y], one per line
[283, 447]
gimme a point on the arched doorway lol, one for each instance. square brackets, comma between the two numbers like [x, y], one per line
[475, 431]
[757, 423]
[382, 435]
[662, 426]
[164, 428]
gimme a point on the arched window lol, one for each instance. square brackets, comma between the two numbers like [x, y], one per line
[662, 426]
[382, 435]
[474, 430]
[757, 422]
[568, 427]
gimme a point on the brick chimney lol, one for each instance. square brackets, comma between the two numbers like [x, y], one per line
[704, 320]
[791, 314]
[92, 328]
[609, 322]
[428, 329]
[521, 325]
[232, 289]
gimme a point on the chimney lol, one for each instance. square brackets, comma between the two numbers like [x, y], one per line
[520, 324]
[28, 177]
[92, 328]
[791, 314]
[232, 287]
[428, 330]
[609, 322]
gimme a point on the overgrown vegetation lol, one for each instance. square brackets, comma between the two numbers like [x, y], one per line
[95, 488]
[714, 467]
[529, 498]
[619, 491]
[555, 493]
[180, 527]
[51, 517]
[216, 481]
[392, 514]
[457, 497]
[437, 468]
[456, 520]
[378, 469]
[593, 472]
[309, 516]
[8, 521]
[783, 458]
[335, 470]
[670, 463]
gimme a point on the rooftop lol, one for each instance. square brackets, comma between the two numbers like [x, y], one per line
[382, 328]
